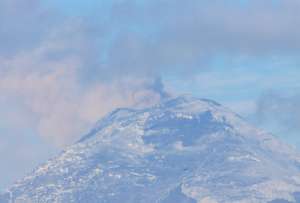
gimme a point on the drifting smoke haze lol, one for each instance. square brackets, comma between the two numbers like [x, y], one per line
[65, 72]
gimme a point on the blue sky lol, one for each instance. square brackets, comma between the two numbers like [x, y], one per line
[65, 64]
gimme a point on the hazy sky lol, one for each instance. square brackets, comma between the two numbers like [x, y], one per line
[66, 63]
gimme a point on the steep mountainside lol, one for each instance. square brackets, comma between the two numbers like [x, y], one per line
[183, 150]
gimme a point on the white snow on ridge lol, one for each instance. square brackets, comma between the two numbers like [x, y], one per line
[182, 150]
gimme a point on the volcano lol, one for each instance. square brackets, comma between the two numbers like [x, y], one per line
[183, 150]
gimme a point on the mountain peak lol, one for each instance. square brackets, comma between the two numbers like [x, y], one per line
[184, 149]
[186, 99]
[176, 109]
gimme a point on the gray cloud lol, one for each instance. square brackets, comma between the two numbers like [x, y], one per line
[281, 112]
[23, 24]
[66, 70]
[152, 37]
[187, 36]
[41, 74]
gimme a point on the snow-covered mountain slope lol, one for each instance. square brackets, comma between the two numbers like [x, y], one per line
[183, 150]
